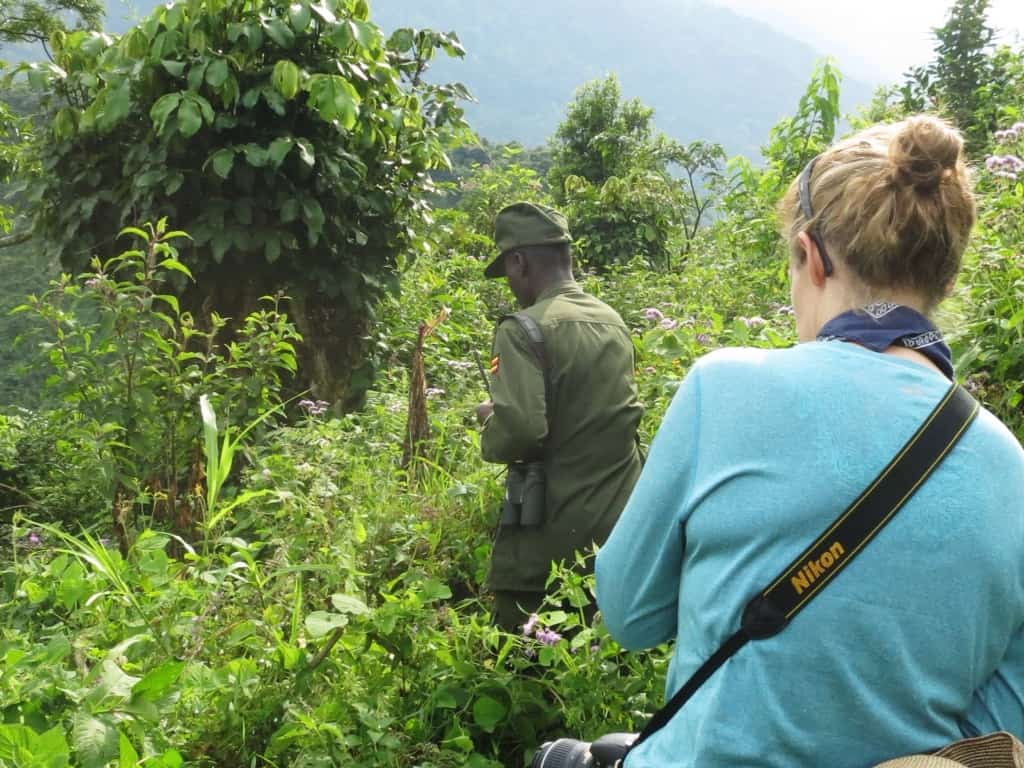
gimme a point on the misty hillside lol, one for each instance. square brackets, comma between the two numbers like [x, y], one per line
[708, 72]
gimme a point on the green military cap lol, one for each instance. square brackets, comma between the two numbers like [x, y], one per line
[522, 224]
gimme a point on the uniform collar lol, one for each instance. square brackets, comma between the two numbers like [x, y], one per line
[559, 289]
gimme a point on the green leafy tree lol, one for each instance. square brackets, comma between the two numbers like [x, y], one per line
[600, 137]
[11, 136]
[1001, 97]
[701, 164]
[126, 369]
[957, 79]
[613, 174]
[35, 21]
[749, 193]
[290, 139]
[492, 186]
[30, 22]
[466, 159]
[962, 61]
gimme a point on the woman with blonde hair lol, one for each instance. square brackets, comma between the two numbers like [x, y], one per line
[917, 642]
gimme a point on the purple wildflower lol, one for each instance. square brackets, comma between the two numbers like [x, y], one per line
[703, 339]
[668, 324]
[752, 322]
[93, 283]
[434, 391]
[786, 310]
[1005, 166]
[314, 407]
[653, 314]
[548, 636]
[1010, 135]
[530, 624]
[595, 648]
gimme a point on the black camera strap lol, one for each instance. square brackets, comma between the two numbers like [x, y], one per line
[769, 612]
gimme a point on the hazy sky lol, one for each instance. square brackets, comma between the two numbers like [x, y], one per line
[878, 39]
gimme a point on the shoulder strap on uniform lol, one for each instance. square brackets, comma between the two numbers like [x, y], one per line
[770, 611]
[536, 339]
[533, 333]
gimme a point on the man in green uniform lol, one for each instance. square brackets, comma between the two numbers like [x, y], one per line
[563, 402]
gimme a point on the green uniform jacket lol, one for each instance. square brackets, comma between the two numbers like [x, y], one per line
[590, 455]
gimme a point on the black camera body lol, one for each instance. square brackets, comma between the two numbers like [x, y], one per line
[606, 752]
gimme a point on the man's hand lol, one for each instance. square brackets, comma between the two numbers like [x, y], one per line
[484, 411]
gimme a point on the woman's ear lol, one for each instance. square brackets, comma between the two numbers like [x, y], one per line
[812, 258]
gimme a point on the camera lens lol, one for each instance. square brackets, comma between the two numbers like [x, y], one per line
[563, 753]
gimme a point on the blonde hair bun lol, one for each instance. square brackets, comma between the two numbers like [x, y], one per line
[894, 204]
[925, 152]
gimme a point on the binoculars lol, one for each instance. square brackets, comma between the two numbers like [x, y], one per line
[525, 489]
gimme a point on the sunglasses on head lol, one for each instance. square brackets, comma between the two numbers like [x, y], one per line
[804, 187]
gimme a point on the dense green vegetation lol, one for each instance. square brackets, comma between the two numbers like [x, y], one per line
[203, 563]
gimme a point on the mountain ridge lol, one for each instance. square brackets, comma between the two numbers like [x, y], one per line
[708, 72]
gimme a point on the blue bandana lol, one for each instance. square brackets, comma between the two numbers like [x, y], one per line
[880, 326]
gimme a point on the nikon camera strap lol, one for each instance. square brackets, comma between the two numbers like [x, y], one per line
[769, 612]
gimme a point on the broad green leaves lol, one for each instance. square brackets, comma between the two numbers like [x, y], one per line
[223, 160]
[286, 78]
[127, 756]
[112, 107]
[320, 623]
[191, 111]
[159, 680]
[95, 739]
[163, 109]
[334, 98]
[190, 118]
[279, 149]
[280, 33]
[299, 17]
[217, 73]
[488, 712]
[22, 746]
[314, 217]
[402, 40]
[64, 123]
[326, 14]
[350, 605]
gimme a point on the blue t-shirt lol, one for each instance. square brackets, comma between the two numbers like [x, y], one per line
[917, 643]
